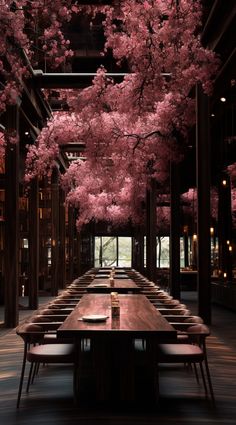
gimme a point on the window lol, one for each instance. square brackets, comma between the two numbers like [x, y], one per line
[163, 259]
[112, 251]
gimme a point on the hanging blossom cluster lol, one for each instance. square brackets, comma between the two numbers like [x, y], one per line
[133, 130]
[35, 28]
[163, 219]
[231, 171]
[60, 130]
[2, 144]
[100, 197]
[189, 204]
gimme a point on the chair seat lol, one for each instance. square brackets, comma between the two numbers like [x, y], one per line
[52, 338]
[181, 337]
[51, 353]
[179, 353]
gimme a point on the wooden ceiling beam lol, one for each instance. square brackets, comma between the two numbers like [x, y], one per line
[69, 80]
[219, 21]
[73, 147]
[223, 80]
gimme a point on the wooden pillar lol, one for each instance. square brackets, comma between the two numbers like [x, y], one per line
[186, 260]
[175, 231]
[138, 249]
[71, 226]
[11, 249]
[62, 239]
[203, 205]
[76, 251]
[151, 254]
[92, 242]
[55, 232]
[225, 228]
[79, 270]
[87, 247]
[33, 245]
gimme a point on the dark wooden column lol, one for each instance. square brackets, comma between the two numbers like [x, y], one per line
[151, 253]
[11, 249]
[203, 205]
[78, 246]
[71, 226]
[225, 227]
[33, 245]
[138, 249]
[62, 239]
[55, 271]
[185, 236]
[174, 231]
[134, 253]
[77, 270]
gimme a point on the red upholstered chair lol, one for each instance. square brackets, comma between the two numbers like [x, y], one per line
[36, 352]
[194, 353]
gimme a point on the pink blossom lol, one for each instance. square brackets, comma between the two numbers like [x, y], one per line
[131, 130]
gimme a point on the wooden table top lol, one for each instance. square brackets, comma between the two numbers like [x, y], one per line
[138, 318]
[108, 270]
[120, 285]
[107, 275]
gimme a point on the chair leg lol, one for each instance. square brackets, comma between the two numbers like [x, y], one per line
[37, 368]
[209, 380]
[208, 373]
[196, 372]
[22, 376]
[203, 378]
[35, 372]
[30, 377]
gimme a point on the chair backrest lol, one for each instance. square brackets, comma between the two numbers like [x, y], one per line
[31, 333]
[197, 333]
[48, 311]
[194, 319]
[170, 301]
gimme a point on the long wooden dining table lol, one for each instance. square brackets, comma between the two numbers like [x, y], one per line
[119, 285]
[116, 359]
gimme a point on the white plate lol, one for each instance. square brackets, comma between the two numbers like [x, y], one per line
[94, 318]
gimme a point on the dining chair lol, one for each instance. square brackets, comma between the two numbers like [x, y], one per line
[174, 311]
[194, 352]
[36, 352]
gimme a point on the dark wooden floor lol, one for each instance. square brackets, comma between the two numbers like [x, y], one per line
[50, 401]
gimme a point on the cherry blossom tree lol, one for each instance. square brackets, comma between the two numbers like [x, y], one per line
[132, 130]
[61, 129]
[189, 204]
[231, 170]
[2, 144]
[31, 29]
[101, 197]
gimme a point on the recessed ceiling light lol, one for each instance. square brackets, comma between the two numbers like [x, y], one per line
[223, 99]
[26, 133]
[212, 115]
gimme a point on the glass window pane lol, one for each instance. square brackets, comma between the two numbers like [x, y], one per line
[182, 252]
[124, 251]
[163, 251]
[109, 251]
[145, 251]
[97, 251]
